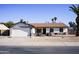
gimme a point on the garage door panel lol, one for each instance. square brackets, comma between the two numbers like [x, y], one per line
[20, 33]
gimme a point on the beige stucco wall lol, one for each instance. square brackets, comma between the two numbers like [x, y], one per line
[33, 30]
[65, 30]
[56, 30]
[47, 30]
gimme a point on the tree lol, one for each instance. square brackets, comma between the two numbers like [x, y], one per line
[9, 24]
[21, 20]
[54, 19]
[24, 22]
[75, 9]
[72, 24]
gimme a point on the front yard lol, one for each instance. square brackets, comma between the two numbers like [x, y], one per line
[39, 41]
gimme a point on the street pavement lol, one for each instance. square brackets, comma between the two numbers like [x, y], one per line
[39, 50]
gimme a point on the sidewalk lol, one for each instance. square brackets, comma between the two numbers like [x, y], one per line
[41, 44]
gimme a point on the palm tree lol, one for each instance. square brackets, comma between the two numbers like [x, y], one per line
[75, 9]
[54, 19]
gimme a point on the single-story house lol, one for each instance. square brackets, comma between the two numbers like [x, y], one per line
[25, 29]
[49, 28]
[4, 31]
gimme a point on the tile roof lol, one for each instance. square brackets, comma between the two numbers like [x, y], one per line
[49, 25]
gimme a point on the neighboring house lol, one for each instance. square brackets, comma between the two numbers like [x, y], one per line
[4, 30]
[49, 28]
[20, 30]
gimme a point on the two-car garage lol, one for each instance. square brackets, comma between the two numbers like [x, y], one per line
[20, 30]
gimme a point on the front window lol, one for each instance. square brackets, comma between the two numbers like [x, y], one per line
[61, 29]
[38, 31]
[51, 30]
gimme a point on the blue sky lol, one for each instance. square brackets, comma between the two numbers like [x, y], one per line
[36, 12]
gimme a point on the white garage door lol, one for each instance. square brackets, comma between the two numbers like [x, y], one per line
[20, 33]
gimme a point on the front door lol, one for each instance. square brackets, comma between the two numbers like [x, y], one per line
[44, 30]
